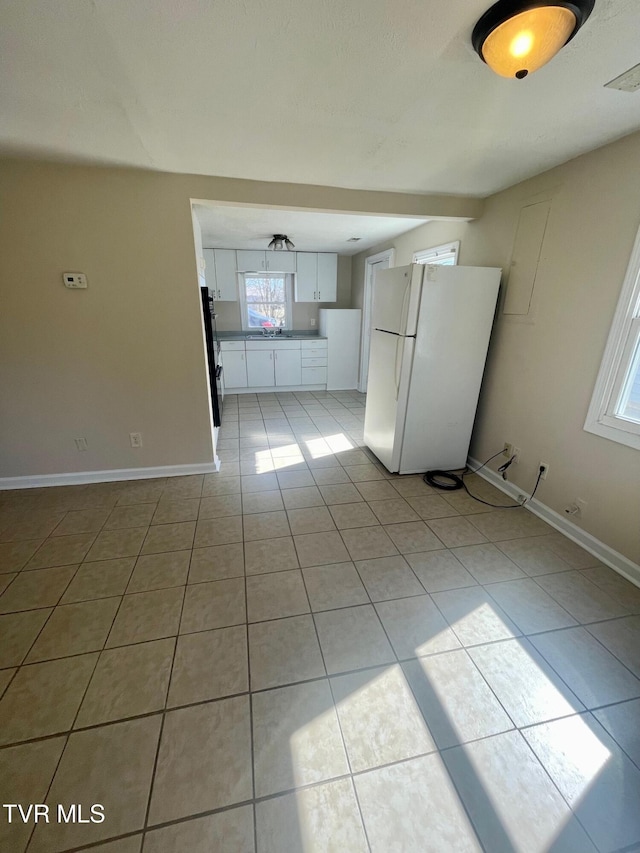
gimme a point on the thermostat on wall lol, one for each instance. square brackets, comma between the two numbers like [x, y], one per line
[74, 279]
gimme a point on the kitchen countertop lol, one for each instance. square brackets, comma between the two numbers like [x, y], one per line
[251, 337]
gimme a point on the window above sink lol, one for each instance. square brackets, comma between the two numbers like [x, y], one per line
[266, 300]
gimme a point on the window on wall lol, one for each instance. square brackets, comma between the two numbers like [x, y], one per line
[446, 254]
[266, 300]
[615, 406]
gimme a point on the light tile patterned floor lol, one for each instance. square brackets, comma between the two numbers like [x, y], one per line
[304, 653]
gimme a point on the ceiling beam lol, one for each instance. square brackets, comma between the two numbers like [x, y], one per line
[308, 197]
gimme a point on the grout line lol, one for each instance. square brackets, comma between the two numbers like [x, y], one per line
[483, 586]
[163, 713]
[251, 738]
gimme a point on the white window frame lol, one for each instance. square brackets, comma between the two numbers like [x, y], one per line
[617, 361]
[288, 292]
[438, 254]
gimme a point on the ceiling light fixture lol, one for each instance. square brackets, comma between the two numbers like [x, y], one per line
[280, 242]
[516, 37]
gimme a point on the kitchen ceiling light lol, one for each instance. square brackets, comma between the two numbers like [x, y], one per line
[280, 242]
[516, 37]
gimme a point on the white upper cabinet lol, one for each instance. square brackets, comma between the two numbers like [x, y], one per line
[210, 272]
[250, 260]
[226, 274]
[307, 277]
[327, 277]
[281, 261]
[317, 277]
[220, 274]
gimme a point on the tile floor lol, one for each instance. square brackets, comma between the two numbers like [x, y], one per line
[304, 653]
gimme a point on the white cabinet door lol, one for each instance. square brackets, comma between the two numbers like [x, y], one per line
[327, 277]
[260, 368]
[226, 275]
[316, 277]
[288, 367]
[281, 261]
[210, 272]
[250, 260]
[307, 277]
[234, 369]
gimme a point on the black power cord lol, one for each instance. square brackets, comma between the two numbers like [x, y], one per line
[449, 481]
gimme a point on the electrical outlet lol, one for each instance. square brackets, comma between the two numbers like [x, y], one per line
[507, 450]
[136, 439]
[516, 455]
[577, 508]
[543, 470]
[312, 321]
[81, 443]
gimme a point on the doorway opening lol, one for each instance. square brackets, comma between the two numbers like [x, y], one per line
[380, 261]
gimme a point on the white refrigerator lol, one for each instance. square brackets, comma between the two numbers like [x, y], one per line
[430, 334]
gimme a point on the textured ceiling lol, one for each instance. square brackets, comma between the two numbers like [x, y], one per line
[226, 227]
[370, 94]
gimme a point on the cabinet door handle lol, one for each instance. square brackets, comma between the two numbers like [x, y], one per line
[319, 300]
[315, 294]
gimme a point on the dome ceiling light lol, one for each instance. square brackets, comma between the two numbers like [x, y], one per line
[280, 242]
[515, 37]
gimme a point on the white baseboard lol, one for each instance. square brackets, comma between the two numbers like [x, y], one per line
[273, 389]
[617, 561]
[37, 481]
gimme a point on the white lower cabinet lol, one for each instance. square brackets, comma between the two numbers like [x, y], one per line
[234, 369]
[260, 368]
[265, 364]
[288, 366]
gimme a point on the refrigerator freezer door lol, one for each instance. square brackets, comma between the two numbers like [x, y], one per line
[396, 299]
[389, 372]
[456, 316]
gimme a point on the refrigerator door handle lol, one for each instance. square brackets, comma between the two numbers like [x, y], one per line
[405, 308]
[396, 372]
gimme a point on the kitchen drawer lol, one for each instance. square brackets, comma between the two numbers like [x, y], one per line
[230, 346]
[316, 352]
[314, 343]
[314, 375]
[272, 344]
[314, 362]
[259, 345]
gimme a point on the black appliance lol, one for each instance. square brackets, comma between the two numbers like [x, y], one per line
[213, 349]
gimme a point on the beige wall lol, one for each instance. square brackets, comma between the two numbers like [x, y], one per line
[541, 372]
[125, 355]
[228, 313]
